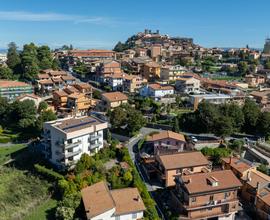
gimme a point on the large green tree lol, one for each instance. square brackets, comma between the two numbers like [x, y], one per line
[13, 58]
[251, 113]
[44, 56]
[6, 73]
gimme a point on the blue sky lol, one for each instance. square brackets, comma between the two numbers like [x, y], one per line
[100, 24]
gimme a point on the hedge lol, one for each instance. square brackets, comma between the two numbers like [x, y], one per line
[49, 173]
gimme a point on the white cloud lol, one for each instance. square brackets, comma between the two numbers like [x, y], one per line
[50, 16]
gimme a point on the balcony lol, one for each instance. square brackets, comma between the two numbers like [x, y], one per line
[211, 204]
[74, 153]
[94, 137]
[94, 145]
[71, 145]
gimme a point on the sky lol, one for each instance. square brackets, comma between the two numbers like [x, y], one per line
[102, 23]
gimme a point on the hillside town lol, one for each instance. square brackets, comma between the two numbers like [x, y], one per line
[159, 127]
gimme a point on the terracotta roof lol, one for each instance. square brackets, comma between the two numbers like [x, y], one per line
[9, 83]
[237, 164]
[199, 182]
[260, 93]
[60, 93]
[70, 89]
[68, 77]
[156, 86]
[256, 177]
[152, 64]
[57, 79]
[166, 134]
[57, 73]
[76, 95]
[264, 195]
[91, 53]
[33, 96]
[83, 85]
[43, 76]
[115, 96]
[127, 200]
[45, 82]
[183, 160]
[97, 199]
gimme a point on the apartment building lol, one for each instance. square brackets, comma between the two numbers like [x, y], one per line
[65, 140]
[171, 73]
[156, 91]
[13, 89]
[261, 97]
[254, 80]
[177, 164]
[188, 85]
[79, 103]
[207, 195]
[167, 142]
[112, 100]
[151, 70]
[132, 83]
[100, 203]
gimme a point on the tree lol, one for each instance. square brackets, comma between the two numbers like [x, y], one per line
[243, 67]
[251, 114]
[135, 120]
[223, 126]
[44, 57]
[6, 73]
[176, 125]
[118, 117]
[263, 168]
[42, 106]
[13, 57]
[119, 47]
[30, 61]
[56, 64]
[267, 64]
[263, 124]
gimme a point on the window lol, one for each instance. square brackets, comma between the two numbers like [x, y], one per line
[211, 197]
[69, 141]
[134, 215]
[226, 195]
[193, 199]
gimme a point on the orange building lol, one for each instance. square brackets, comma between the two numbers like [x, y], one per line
[207, 195]
[172, 165]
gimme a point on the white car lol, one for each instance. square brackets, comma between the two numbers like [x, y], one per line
[194, 139]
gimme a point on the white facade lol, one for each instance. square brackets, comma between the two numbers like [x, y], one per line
[109, 215]
[188, 85]
[147, 91]
[63, 146]
[172, 72]
[115, 83]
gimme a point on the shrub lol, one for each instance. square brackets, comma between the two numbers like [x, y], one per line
[4, 140]
[49, 173]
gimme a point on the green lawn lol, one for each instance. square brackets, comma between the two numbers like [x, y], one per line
[5, 152]
[44, 212]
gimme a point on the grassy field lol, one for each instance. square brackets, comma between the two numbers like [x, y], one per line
[5, 152]
[44, 212]
[20, 192]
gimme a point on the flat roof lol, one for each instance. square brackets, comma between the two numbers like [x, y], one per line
[75, 124]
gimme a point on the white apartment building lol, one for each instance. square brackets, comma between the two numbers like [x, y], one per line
[156, 90]
[65, 140]
[188, 85]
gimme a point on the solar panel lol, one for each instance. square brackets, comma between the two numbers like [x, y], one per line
[80, 124]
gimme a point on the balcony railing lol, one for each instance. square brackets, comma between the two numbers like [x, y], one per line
[94, 145]
[71, 145]
[94, 137]
[74, 153]
[210, 204]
